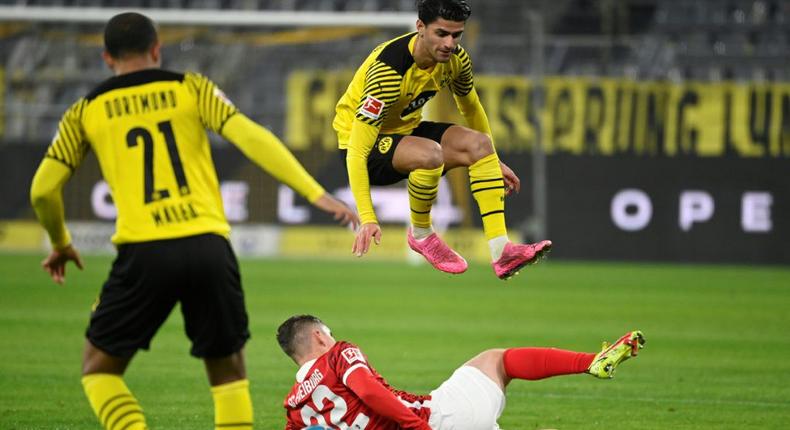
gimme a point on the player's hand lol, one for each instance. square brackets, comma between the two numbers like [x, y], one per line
[512, 182]
[340, 211]
[55, 263]
[366, 232]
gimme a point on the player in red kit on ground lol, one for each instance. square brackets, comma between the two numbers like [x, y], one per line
[337, 387]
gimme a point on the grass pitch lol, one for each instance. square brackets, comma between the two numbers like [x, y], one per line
[716, 355]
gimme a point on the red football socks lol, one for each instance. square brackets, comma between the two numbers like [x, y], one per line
[539, 363]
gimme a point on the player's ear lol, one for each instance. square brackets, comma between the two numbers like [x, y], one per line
[156, 53]
[420, 28]
[108, 60]
[318, 337]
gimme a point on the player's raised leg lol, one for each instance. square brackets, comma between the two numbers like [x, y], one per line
[466, 147]
[422, 158]
[531, 363]
[606, 361]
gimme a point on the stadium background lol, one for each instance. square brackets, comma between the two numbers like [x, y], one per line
[643, 130]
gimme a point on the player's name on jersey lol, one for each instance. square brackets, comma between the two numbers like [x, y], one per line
[305, 388]
[140, 103]
[174, 213]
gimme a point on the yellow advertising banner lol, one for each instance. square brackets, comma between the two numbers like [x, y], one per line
[589, 116]
[21, 236]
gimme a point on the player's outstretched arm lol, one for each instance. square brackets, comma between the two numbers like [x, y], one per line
[363, 137]
[47, 200]
[382, 401]
[268, 151]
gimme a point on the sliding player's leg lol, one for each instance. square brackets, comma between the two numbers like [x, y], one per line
[421, 159]
[474, 396]
[532, 363]
[465, 147]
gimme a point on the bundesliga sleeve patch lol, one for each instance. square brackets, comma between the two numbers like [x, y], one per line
[371, 108]
[353, 354]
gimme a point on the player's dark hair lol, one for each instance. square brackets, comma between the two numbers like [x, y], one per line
[288, 334]
[452, 10]
[129, 33]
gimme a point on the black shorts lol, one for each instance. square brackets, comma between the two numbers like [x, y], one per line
[380, 168]
[146, 281]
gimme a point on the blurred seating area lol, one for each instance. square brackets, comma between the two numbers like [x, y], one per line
[49, 65]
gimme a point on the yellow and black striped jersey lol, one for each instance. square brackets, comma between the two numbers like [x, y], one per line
[389, 91]
[386, 96]
[147, 130]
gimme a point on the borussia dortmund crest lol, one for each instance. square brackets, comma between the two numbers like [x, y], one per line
[385, 144]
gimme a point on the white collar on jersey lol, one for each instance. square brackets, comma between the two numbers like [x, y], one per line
[302, 373]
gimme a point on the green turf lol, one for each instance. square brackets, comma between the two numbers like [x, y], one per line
[716, 355]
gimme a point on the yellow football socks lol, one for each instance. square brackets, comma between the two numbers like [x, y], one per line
[488, 188]
[113, 403]
[232, 405]
[423, 188]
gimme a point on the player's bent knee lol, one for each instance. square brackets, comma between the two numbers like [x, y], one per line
[481, 146]
[433, 157]
[490, 363]
[489, 356]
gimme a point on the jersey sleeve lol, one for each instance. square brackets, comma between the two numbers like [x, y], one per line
[46, 196]
[380, 92]
[70, 145]
[465, 95]
[463, 81]
[214, 107]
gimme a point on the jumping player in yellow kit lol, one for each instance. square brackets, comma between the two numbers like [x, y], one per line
[379, 125]
[147, 127]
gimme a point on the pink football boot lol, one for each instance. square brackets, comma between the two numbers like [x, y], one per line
[438, 253]
[516, 256]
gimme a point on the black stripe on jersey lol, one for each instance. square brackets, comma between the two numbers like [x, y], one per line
[463, 83]
[203, 101]
[53, 156]
[381, 71]
[225, 121]
[462, 90]
[133, 79]
[397, 55]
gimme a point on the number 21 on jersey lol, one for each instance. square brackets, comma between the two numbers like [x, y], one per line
[137, 134]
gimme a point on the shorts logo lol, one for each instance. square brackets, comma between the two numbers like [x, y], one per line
[353, 354]
[371, 107]
[385, 144]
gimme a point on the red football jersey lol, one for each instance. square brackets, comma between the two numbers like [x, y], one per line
[321, 396]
